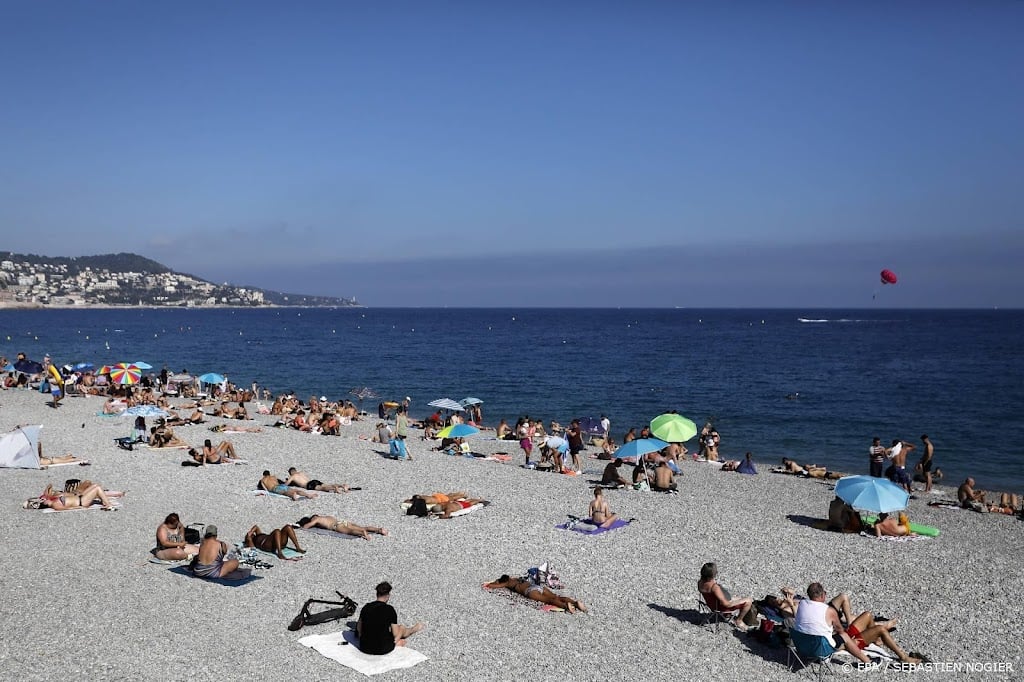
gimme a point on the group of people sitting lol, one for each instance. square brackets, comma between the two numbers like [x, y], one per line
[830, 624]
[662, 479]
[977, 500]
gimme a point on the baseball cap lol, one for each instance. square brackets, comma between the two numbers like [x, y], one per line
[211, 531]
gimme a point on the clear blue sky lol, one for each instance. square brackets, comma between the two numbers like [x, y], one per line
[527, 153]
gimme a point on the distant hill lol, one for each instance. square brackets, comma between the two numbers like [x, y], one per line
[129, 279]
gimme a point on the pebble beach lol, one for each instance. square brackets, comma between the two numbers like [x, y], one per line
[84, 602]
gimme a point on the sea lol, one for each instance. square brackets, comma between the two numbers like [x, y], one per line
[813, 385]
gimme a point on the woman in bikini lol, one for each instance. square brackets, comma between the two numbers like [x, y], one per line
[339, 526]
[537, 593]
[599, 512]
[213, 455]
[274, 541]
[62, 501]
[170, 541]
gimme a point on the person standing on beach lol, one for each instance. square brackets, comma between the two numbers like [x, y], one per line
[897, 473]
[574, 435]
[925, 465]
[402, 427]
[876, 455]
[378, 628]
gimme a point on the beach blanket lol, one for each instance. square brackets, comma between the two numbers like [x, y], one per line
[343, 648]
[267, 493]
[517, 598]
[328, 533]
[945, 504]
[166, 562]
[289, 553]
[586, 527]
[184, 570]
[894, 538]
[193, 463]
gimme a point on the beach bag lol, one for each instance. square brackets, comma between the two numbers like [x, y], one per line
[418, 507]
[194, 533]
[398, 450]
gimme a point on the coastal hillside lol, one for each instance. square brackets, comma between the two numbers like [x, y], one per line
[127, 279]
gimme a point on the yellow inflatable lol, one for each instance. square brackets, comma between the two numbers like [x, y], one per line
[390, 404]
[57, 379]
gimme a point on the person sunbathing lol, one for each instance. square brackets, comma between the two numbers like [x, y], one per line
[810, 471]
[62, 459]
[895, 526]
[170, 541]
[599, 512]
[224, 450]
[720, 601]
[302, 480]
[163, 437]
[785, 607]
[274, 542]
[449, 503]
[215, 560]
[611, 475]
[299, 422]
[274, 485]
[339, 526]
[535, 592]
[114, 406]
[62, 501]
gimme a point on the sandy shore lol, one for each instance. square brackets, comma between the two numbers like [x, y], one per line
[84, 603]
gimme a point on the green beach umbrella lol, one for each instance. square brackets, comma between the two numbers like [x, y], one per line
[673, 428]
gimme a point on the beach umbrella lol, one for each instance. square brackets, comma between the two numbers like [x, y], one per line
[124, 373]
[28, 367]
[146, 411]
[105, 369]
[211, 378]
[10, 368]
[639, 447]
[674, 428]
[143, 365]
[446, 404]
[83, 366]
[178, 378]
[458, 431]
[466, 402]
[867, 493]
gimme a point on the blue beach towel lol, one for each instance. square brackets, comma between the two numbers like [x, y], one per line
[288, 552]
[585, 527]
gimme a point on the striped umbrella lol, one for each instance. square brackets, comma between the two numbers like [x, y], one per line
[125, 373]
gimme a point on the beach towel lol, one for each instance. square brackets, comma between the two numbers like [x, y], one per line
[517, 598]
[288, 552]
[945, 504]
[267, 493]
[436, 508]
[184, 570]
[328, 533]
[894, 538]
[586, 527]
[115, 503]
[167, 562]
[193, 463]
[343, 648]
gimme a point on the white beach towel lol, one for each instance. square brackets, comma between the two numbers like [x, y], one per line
[341, 647]
[83, 462]
[92, 507]
[267, 493]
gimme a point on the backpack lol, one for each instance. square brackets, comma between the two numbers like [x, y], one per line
[418, 507]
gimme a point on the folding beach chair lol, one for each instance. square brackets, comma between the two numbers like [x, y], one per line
[811, 652]
[710, 614]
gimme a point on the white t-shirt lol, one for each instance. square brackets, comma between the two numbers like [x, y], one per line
[896, 449]
[810, 619]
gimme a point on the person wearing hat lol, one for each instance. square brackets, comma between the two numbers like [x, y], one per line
[214, 561]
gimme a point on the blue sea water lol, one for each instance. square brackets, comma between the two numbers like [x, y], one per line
[955, 375]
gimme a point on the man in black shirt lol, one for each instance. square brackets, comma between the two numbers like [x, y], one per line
[378, 628]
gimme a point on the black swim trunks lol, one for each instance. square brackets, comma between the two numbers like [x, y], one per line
[314, 484]
[926, 467]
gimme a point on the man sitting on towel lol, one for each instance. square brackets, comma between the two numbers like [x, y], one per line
[378, 628]
[611, 475]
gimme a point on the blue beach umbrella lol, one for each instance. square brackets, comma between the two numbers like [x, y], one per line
[446, 404]
[83, 366]
[867, 493]
[458, 431]
[471, 401]
[143, 365]
[639, 447]
[10, 368]
[211, 378]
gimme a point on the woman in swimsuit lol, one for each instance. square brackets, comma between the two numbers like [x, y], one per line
[599, 512]
[62, 501]
[213, 455]
[170, 541]
[716, 599]
[339, 526]
[274, 541]
[537, 593]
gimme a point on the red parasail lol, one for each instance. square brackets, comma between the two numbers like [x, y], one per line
[888, 277]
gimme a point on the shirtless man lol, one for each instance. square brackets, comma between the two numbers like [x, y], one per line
[339, 526]
[300, 479]
[664, 479]
[599, 512]
[611, 475]
[274, 542]
[970, 498]
[897, 473]
[272, 484]
[925, 465]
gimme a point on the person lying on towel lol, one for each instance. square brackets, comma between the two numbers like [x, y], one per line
[339, 526]
[448, 502]
[537, 593]
[274, 542]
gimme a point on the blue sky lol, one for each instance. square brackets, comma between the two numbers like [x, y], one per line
[461, 153]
